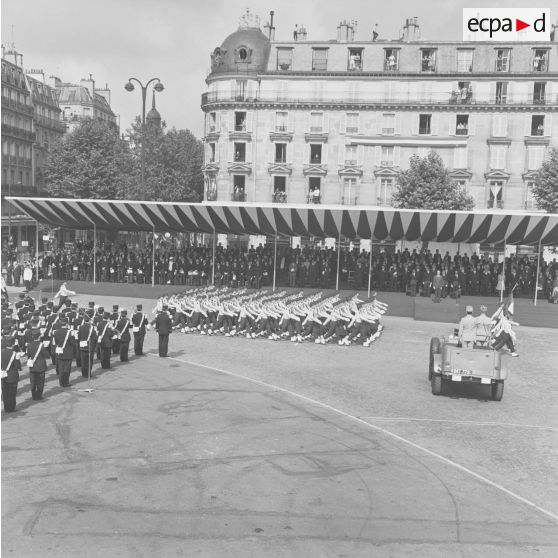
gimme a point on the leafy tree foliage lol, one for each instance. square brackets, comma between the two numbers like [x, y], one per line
[90, 162]
[427, 184]
[173, 163]
[545, 190]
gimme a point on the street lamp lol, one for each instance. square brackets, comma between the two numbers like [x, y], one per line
[130, 87]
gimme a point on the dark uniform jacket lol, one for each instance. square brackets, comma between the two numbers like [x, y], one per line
[15, 367]
[105, 334]
[59, 338]
[163, 323]
[85, 331]
[39, 364]
[122, 328]
[139, 320]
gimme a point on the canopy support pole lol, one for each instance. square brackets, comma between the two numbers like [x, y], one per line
[94, 253]
[503, 274]
[37, 250]
[153, 260]
[537, 280]
[370, 269]
[275, 262]
[338, 261]
[213, 265]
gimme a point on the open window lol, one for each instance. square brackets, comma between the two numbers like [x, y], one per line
[355, 59]
[280, 152]
[425, 124]
[279, 189]
[239, 185]
[239, 152]
[391, 59]
[462, 125]
[539, 92]
[314, 189]
[316, 153]
[503, 56]
[428, 60]
[540, 60]
[537, 125]
[240, 121]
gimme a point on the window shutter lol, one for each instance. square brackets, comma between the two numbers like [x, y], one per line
[397, 156]
[291, 121]
[547, 124]
[472, 124]
[435, 123]
[452, 124]
[415, 124]
[231, 120]
[249, 120]
[325, 122]
[377, 155]
[527, 130]
[360, 155]
[324, 153]
[343, 123]
[398, 124]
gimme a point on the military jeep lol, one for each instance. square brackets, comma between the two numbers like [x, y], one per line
[449, 362]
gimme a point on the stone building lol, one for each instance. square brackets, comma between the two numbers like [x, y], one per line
[304, 121]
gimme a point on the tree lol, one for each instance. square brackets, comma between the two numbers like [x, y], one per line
[545, 190]
[427, 184]
[173, 163]
[90, 162]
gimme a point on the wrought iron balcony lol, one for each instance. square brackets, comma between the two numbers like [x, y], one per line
[238, 196]
[495, 204]
[211, 195]
[279, 196]
[314, 198]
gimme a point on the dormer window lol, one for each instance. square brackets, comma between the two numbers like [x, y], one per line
[540, 60]
[355, 59]
[243, 55]
[428, 60]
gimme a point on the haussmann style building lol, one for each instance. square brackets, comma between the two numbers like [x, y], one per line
[303, 121]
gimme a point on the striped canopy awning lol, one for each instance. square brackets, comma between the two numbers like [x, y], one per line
[378, 223]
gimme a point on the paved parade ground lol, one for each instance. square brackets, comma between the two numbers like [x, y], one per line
[252, 448]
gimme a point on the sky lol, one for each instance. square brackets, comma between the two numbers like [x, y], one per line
[171, 39]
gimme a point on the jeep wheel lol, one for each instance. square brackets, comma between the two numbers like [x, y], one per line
[434, 350]
[436, 383]
[497, 390]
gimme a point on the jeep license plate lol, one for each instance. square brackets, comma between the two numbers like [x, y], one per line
[463, 372]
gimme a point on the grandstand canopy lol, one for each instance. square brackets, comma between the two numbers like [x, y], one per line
[378, 223]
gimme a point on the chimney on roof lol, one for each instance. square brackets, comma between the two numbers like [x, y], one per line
[39, 75]
[411, 30]
[54, 82]
[89, 84]
[346, 31]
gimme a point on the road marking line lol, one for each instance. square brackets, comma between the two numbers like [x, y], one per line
[379, 429]
[473, 423]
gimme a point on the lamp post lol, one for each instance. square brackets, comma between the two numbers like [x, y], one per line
[130, 87]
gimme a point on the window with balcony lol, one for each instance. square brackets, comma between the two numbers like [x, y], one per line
[498, 157]
[351, 126]
[462, 125]
[314, 189]
[240, 121]
[465, 60]
[280, 152]
[428, 60]
[211, 152]
[530, 201]
[316, 122]
[464, 94]
[284, 58]
[319, 59]
[501, 93]
[239, 185]
[281, 121]
[391, 59]
[425, 121]
[351, 154]
[316, 153]
[279, 189]
[349, 196]
[385, 193]
[537, 125]
[539, 92]
[240, 91]
[239, 152]
[211, 194]
[355, 59]
[503, 56]
[388, 124]
[540, 60]
[387, 156]
[495, 195]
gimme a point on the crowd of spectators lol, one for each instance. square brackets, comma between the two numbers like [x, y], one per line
[404, 271]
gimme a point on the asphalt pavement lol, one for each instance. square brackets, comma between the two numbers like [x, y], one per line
[255, 448]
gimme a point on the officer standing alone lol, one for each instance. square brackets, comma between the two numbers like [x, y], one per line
[139, 322]
[163, 325]
[468, 329]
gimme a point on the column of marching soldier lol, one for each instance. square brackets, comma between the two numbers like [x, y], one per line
[61, 335]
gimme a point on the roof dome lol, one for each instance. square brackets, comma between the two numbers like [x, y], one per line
[246, 50]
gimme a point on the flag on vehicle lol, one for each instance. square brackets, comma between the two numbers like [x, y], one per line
[506, 306]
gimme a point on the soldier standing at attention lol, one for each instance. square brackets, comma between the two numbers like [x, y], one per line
[122, 329]
[105, 340]
[139, 321]
[163, 325]
[37, 355]
[65, 345]
[116, 341]
[87, 339]
[10, 373]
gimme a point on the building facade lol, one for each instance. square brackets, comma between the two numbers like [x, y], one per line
[335, 121]
[83, 100]
[18, 138]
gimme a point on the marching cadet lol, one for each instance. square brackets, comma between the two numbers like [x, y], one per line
[76, 324]
[139, 322]
[87, 339]
[10, 373]
[115, 316]
[163, 325]
[65, 346]
[37, 354]
[122, 328]
[96, 321]
[104, 341]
